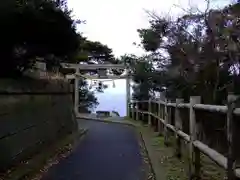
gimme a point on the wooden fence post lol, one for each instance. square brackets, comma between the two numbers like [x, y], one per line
[194, 153]
[149, 110]
[159, 109]
[178, 125]
[161, 116]
[166, 120]
[133, 110]
[230, 137]
[156, 121]
[137, 115]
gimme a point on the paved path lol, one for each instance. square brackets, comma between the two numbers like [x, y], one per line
[108, 152]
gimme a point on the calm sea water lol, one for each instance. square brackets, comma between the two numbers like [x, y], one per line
[109, 102]
[113, 98]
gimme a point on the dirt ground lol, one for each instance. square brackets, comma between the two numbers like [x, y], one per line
[166, 165]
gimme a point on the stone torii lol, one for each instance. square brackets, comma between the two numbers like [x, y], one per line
[101, 69]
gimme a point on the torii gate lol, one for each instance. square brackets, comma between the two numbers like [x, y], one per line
[101, 68]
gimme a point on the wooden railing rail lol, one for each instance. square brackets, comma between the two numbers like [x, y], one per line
[161, 110]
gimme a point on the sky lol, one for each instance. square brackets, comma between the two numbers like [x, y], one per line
[113, 98]
[115, 23]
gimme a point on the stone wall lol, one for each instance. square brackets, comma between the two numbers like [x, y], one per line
[33, 114]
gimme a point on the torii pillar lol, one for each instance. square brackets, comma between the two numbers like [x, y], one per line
[128, 93]
[76, 94]
[77, 77]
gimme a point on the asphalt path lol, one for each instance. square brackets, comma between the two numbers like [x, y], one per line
[108, 152]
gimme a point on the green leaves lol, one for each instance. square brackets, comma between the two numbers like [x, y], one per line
[150, 39]
[39, 27]
[195, 53]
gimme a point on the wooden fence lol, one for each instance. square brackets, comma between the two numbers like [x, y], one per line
[167, 117]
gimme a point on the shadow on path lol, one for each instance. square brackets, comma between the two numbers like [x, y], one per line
[108, 152]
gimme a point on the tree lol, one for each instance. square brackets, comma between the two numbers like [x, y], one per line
[45, 29]
[91, 52]
[142, 70]
[87, 98]
[33, 29]
[195, 53]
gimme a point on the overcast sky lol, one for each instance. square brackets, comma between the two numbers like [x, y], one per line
[115, 23]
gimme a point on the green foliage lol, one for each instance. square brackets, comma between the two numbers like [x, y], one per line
[91, 52]
[142, 70]
[31, 29]
[196, 54]
[150, 39]
[45, 29]
[86, 98]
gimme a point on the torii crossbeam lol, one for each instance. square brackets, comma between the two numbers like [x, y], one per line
[98, 67]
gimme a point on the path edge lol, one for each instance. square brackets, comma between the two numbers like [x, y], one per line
[24, 172]
[126, 122]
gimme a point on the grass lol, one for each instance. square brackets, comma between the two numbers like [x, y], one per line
[174, 168]
[37, 164]
[146, 169]
[210, 170]
[166, 165]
